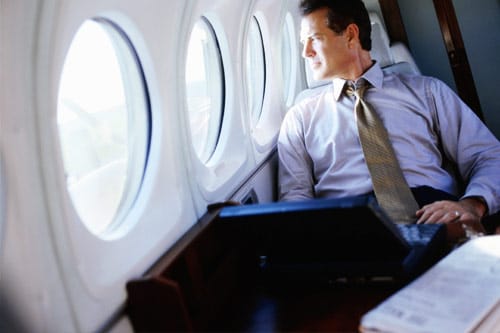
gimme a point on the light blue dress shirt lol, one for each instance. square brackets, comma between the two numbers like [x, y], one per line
[434, 134]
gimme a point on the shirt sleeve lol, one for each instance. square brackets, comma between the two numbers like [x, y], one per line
[468, 142]
[295, 179]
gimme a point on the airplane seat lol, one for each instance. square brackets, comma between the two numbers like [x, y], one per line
[402, 67]
[394, 58]
[402, 54]
[381, 49]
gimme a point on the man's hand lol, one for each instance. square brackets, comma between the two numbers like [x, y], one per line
[455, 214]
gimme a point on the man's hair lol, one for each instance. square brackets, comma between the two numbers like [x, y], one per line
[341, 13]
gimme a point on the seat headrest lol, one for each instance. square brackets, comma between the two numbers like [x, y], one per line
[400, 67]
[381, 45]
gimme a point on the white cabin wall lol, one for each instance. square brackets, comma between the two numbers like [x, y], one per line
[242, 148]
[94, 269]
[212, 181]
[29, 266]
[63, 277]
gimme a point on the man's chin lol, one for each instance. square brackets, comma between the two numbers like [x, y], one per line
[319, 77]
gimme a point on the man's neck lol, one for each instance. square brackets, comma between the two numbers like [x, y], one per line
[362, 63]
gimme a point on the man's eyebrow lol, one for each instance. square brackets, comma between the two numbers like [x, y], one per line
[309, 36]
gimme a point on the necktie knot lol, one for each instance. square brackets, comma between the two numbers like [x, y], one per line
[355, 88]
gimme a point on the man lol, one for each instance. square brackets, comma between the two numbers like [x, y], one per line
[448, 157]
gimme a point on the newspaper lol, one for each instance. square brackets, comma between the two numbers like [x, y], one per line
[461, 293]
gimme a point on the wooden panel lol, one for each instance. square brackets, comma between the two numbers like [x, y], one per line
[393, 21]
[457, 55]
[194, 283]
[157, 305]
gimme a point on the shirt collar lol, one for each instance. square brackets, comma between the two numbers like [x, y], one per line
[373, 75]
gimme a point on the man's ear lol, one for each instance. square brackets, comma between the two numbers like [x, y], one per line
[352, 32]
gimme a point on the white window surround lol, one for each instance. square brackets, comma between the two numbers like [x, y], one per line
[95, 268]
[103, 120]
[256, 71]
[211, 180]
[205, 89]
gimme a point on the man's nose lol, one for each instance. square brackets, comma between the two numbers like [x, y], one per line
[307, 50]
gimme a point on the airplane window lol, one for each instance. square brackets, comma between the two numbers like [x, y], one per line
[204, 89]
[288, 55]
[103, 121]
[256, 70]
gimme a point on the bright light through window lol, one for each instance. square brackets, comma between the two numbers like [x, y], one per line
[256, 70]
[103, 121]
[288, 56]
[204, 89]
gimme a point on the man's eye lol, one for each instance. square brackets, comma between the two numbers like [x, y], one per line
[310, 39]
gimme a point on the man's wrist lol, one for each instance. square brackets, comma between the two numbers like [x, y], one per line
[478, 204]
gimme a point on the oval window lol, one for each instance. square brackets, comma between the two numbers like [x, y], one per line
[256, 70]
[103, 121]
[288, 57]
[204, 89]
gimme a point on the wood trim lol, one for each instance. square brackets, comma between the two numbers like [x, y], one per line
[457, 55]
[192, 286]
[394, 21]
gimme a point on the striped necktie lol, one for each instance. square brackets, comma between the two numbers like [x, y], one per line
[391, 189]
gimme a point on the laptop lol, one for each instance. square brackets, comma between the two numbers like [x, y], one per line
[348, 237]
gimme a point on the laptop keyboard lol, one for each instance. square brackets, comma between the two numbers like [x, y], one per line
[418, 234]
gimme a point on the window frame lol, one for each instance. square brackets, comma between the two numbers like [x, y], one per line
[215, 123]
[137, 153]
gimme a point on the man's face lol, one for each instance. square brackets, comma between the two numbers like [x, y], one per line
[326, 51]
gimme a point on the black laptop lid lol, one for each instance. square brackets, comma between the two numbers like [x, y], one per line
[318, 231]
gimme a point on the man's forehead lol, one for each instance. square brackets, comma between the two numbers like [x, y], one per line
[314, 22]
